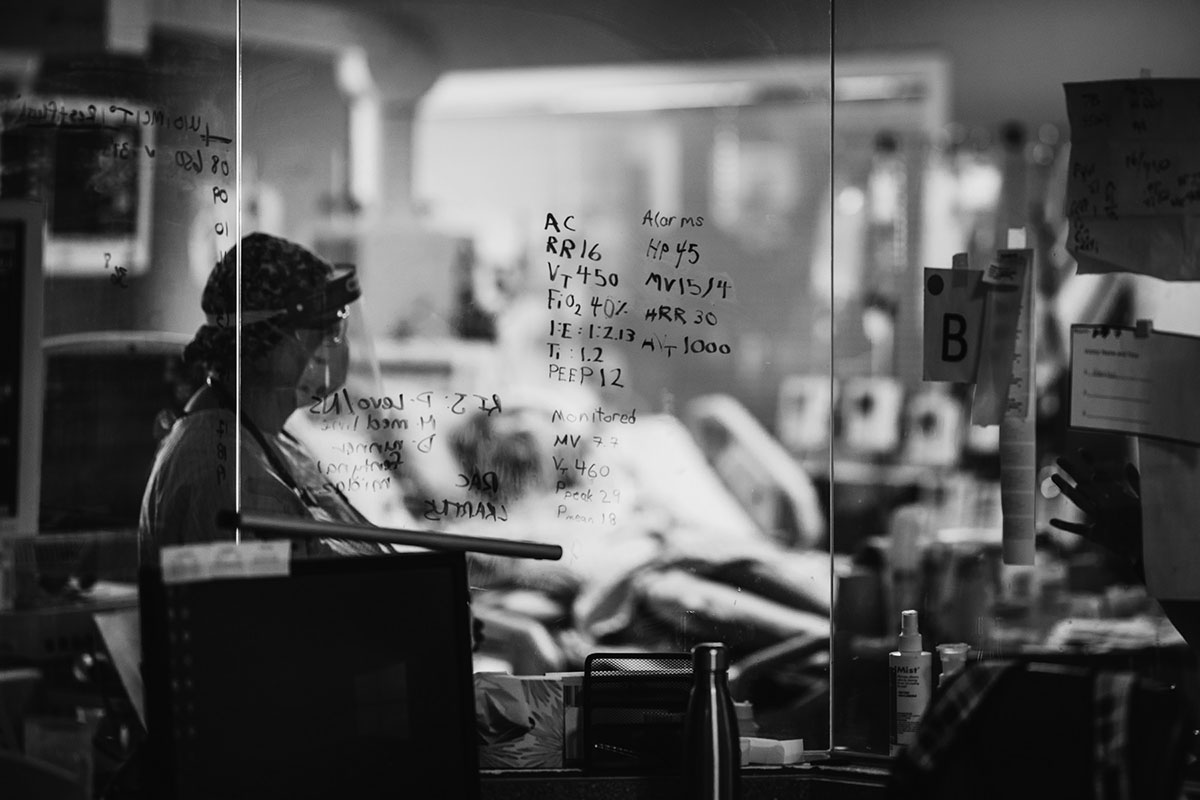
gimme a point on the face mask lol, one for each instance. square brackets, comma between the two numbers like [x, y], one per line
[324, 373]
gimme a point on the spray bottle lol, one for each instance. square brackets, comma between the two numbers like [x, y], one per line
[911, 671]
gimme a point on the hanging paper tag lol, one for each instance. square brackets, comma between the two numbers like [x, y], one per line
[1010, 297]
[1018, 476]
[1004, 368]
[954, 302]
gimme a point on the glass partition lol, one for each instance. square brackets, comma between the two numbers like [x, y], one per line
[646, 283]
[118, 169]
[593, 252]
[939, 463]
[117, 138]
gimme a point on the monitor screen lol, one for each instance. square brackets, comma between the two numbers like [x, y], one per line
[105, 394]
[91, 161]
[20, 383]
[348, 677]
[12, 279]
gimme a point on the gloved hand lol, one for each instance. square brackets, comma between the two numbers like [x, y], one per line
[1112, 503]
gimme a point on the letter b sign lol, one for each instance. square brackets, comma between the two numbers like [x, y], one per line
[954, 343]
[953, 324]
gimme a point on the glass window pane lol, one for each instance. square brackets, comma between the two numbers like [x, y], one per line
[593, 251]
[106, 121]
[929, 488]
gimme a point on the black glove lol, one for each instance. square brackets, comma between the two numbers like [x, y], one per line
[1113, 505]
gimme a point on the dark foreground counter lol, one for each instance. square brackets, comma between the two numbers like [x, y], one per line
[819, 781]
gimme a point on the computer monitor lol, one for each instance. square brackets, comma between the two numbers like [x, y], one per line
[347, 677]
[89, 159]
[104, 394]
[22, 235]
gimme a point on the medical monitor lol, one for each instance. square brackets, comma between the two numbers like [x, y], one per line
[106, 397]
[21, 238]
[347, 677]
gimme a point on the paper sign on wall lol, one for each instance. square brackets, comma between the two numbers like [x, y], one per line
[933, 421]
[953, 322]
[805, 406]
[1144, 384]
[870, 408]
[1133, 189]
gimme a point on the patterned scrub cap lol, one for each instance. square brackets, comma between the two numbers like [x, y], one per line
[273, 270]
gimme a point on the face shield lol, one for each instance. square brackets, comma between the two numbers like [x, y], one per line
[330, 325]
[328, 366]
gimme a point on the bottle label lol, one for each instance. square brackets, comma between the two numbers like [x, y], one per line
[911, 686]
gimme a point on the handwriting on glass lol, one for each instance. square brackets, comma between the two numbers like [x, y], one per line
[116, 273]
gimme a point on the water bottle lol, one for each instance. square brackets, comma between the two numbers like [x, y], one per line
[712, 755]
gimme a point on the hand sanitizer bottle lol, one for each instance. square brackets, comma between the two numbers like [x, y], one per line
[911, 671]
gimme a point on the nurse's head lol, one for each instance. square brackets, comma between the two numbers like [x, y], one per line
[294, 310]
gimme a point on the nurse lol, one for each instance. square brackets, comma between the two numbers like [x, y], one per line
[294, 348]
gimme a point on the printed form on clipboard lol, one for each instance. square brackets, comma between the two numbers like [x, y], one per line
[1136, 381]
